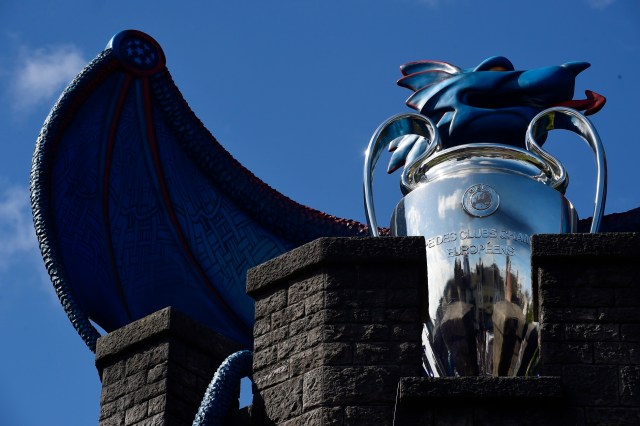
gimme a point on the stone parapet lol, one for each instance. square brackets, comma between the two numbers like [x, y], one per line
[337, 342]
[588, 289]
[521, 401]
[155, 371]
[338, 323]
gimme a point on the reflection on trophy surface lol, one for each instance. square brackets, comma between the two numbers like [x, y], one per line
[468, 300]
[477, 186]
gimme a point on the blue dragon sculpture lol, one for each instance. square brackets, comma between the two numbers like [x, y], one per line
[137, 206]
[489, 103]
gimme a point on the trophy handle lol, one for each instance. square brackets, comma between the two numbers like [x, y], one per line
[570, 119]
[393, 128]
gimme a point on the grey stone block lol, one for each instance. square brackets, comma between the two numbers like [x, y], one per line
[272, 375]
[155, 370]
[156, 327]
[564, 352]
[605, 416]
[627, 296]
[592, 332]
[340, 309]
[423, 389]
[630, 385]
[630, 332]
[157, 405]
[335, 251]
[262, 326]
[551, 332]
[373, 353]
[287, 314]
[305, 287]
[567, 314]
[135, 414]
[348, 332]
[115, 420]
[616, 353]
[283, 401]
[560, 295]
[482, 401]
[359, 415]
[314, 303]
[307, 323]
[591, 385]
[581, 261]
[403, 332]
[293, 345]
[320, 416]
[274, 302]
[571, 246]
[623, 314]
[271, 338]
[352, 385]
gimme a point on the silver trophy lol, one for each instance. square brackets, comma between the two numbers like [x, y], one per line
[477, 206]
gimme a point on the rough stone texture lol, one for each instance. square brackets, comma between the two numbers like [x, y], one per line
[155, 371]
[481, 401]
[334, 251]
[337, 342]
[338, 322]
[333, 341]
[415, 389]
[588, 300]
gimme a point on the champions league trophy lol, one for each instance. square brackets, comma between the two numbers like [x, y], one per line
[477, 185]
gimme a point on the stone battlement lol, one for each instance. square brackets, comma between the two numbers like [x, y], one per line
[338, 337]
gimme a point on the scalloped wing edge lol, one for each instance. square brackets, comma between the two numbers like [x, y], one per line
[294, 222]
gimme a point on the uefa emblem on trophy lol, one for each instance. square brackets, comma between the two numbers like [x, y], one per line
[477, 185]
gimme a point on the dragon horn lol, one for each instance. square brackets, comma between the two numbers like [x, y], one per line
[421, 66]
[576, 67]
[418, 80]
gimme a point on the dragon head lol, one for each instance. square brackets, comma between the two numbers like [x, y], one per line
[489, 103]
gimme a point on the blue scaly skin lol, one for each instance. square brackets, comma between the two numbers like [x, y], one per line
[491, 103]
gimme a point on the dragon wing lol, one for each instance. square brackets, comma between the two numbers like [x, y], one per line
[137, 207]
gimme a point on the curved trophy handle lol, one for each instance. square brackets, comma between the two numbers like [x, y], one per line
[570, 119]
[392, 128]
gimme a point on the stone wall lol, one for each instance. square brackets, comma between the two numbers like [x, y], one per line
[471, 401]
[337, 342]
[589, 307]
[338, 322]
[336, 335]
[155, 371]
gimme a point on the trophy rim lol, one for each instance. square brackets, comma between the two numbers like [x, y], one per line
[487, 156]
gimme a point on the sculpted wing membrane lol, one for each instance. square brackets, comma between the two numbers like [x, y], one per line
[138, 207]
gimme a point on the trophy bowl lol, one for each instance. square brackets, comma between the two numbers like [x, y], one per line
[477, 208]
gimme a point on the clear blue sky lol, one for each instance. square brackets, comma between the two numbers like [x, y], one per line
[293, 89]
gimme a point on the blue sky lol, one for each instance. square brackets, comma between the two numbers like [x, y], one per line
[293, 89]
